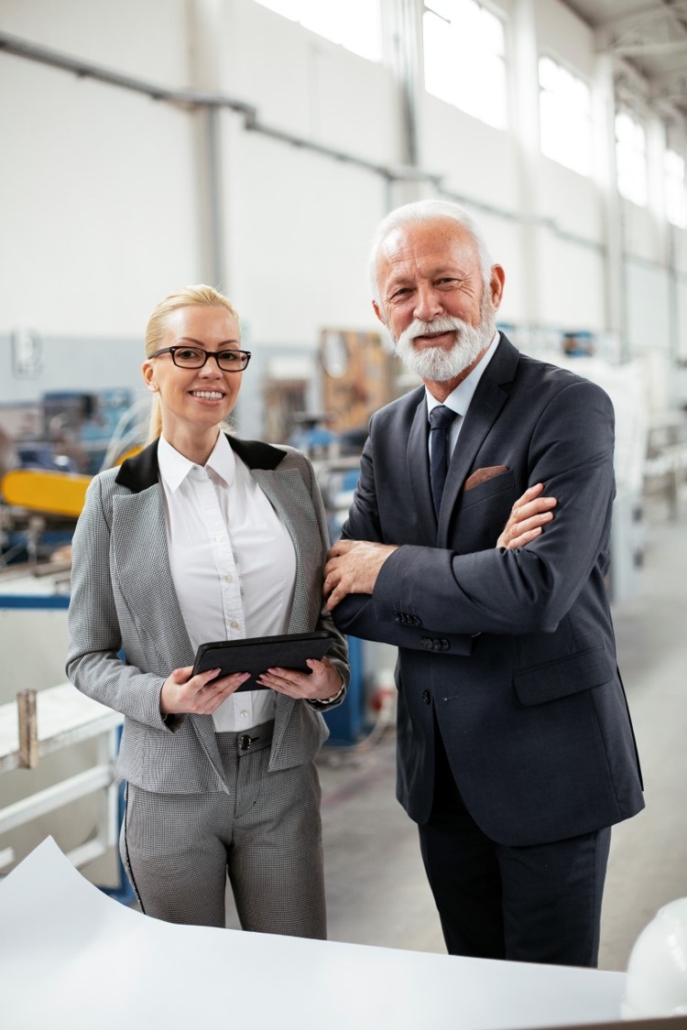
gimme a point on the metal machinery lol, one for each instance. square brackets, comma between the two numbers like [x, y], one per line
[57, 747]
[52, 448]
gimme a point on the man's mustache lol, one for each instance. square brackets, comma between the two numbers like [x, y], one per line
[444, 324]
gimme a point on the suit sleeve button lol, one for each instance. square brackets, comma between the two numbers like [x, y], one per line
[426, 697]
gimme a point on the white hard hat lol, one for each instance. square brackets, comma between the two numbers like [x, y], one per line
[657, 970]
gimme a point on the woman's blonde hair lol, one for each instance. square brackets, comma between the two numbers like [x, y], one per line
[188, 296]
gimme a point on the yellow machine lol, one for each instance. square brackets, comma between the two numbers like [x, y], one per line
[47, 492]
[51, 493]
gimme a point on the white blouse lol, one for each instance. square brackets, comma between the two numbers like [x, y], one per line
[233, 562]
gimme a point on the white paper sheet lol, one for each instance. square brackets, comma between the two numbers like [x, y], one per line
[73, 959]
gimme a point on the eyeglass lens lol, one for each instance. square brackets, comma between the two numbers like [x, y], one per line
[194, 357]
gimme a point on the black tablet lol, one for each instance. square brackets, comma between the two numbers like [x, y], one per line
[258, 654]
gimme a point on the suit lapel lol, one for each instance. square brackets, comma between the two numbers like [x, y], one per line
[484, 408]
[418, 472]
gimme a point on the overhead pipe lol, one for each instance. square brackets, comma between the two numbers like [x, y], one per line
[191, 99]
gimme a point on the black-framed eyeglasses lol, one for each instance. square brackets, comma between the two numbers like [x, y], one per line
[195, 357]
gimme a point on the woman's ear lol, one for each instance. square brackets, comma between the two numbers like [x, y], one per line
[147, 370]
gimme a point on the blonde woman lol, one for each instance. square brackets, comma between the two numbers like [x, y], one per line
[200, 537]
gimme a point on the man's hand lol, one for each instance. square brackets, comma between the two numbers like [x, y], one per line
[352, 568]
[528, 516]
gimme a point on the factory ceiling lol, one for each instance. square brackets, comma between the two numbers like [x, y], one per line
[650, 36]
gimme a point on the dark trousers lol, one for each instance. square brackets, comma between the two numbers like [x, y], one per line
[530, 904]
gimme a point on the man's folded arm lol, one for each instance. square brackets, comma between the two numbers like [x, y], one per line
[497, 590]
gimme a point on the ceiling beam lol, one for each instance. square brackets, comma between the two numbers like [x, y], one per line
[649, 47]
[646, 11]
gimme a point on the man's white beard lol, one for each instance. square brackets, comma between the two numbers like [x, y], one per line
[436, 363]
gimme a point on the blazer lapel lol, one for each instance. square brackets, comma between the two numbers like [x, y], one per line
[417, 458]
[287, 493]
[484, 408]
[139, 541]
[139, 537]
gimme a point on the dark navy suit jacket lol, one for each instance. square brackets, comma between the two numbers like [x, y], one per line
[510, 653]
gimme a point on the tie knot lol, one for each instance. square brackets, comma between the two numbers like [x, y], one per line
[441, 417]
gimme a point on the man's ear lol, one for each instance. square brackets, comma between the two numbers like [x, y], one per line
[498, 279]
[378, 312]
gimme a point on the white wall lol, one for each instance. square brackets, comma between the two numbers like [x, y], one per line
[97, 198]
[101, 205]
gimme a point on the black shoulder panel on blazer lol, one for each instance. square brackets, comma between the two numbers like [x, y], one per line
[256, 454]
[142, 471]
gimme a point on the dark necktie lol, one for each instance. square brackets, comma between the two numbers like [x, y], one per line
[440, 419]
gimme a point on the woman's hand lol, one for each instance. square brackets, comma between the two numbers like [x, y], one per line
[184, 694]
[321, 684]
[529, 515]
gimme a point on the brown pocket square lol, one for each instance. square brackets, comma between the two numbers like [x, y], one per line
[482, 475]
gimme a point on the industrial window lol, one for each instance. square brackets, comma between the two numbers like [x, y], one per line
[465, 65]
[565, 119]
[355, 24]
[630, 149]
[674, 168]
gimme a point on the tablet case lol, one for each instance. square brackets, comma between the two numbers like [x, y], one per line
[257, 654]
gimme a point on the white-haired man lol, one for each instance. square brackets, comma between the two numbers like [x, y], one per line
[515, 747]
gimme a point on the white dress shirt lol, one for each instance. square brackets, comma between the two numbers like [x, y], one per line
[233, 562]
[459, 399]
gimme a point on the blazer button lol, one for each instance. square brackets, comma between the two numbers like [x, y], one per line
[426, 698]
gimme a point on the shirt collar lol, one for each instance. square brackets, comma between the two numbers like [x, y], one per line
[459, 399]
[174, 467]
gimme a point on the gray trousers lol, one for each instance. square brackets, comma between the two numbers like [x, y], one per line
[266, 835]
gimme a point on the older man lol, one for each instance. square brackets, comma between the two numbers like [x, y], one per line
[515, 747]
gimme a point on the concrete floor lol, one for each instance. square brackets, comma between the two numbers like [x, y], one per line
[377, 893]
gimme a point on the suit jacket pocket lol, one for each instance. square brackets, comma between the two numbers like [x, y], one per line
[488, 488]
[569, 675]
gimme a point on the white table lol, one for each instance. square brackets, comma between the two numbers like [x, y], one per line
[64, 718]
[72, 959]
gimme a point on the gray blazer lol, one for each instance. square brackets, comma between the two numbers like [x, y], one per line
[123, 600]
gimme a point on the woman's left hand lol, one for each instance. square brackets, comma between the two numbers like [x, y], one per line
[320, 684]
